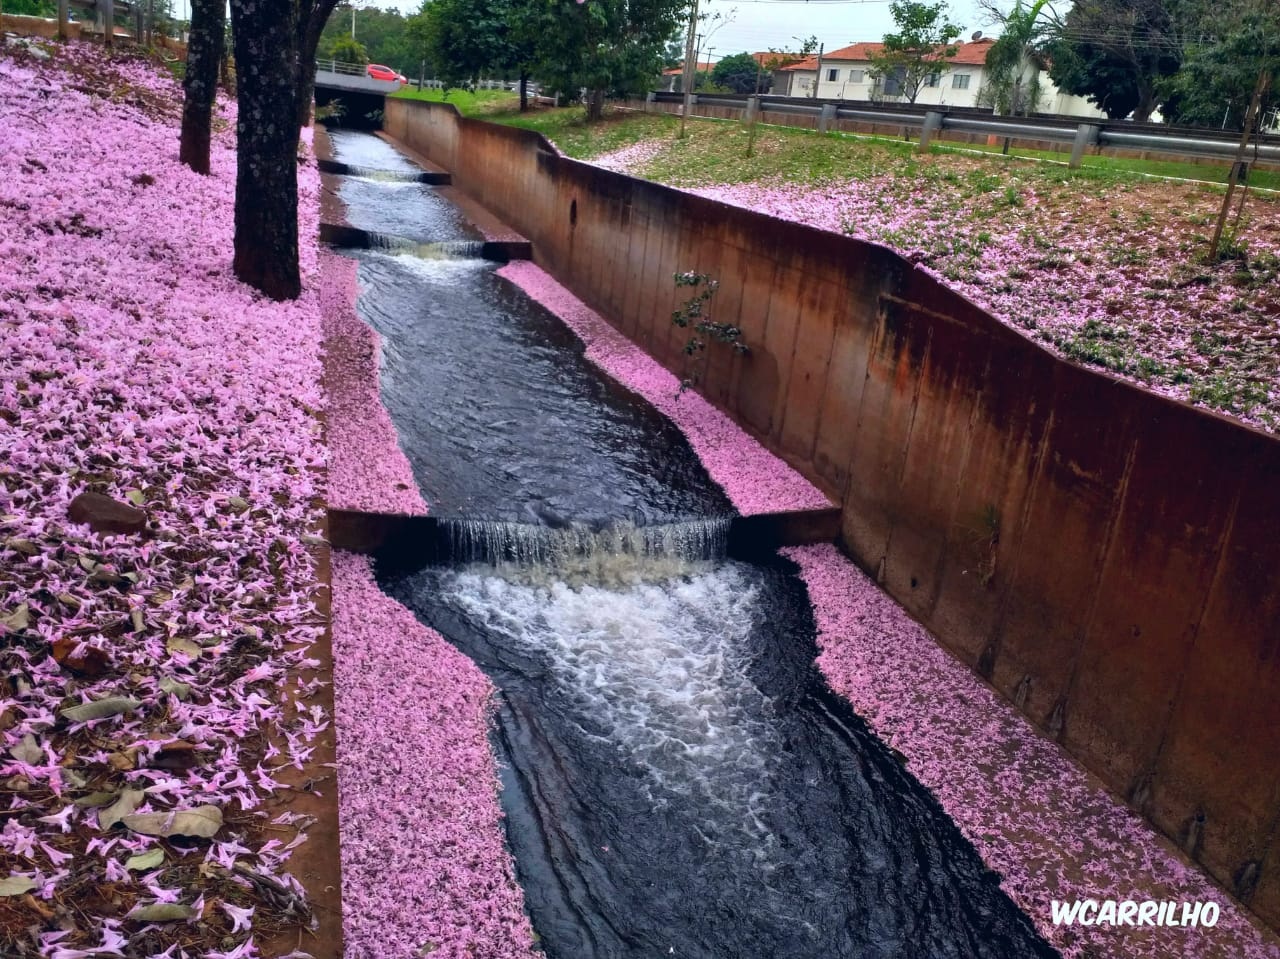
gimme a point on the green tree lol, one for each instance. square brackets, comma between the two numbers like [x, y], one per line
[1013, 62]
[1117, 53]
[739, 74]
[384, 34]
[919, 48]
[1215, 83]
[465, 38]
[31, 8]
[603, 46]
[673, 55]
[343, 49]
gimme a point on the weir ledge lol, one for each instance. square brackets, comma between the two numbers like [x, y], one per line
[403, 537]
[353, 238]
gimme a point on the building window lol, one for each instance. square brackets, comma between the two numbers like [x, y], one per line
[960, 81]
[832, 75]
[933, 79]
[855, 76]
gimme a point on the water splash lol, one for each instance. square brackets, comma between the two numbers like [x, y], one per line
[387, 176]
[439, 250]
[657, 668]
[528, 544]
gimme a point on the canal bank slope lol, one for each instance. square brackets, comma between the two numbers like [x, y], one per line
[163, 640]
[424, 862]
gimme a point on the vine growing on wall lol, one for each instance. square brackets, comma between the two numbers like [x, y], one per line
[695, 315]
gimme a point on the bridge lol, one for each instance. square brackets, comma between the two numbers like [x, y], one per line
[351, 78]
[353, 97]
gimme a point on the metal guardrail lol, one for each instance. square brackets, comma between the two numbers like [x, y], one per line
[358, 70]
[930, 120]
[338, 66]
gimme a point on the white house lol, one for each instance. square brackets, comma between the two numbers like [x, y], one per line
[847, 74]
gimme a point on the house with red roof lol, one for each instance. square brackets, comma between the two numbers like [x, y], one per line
[769, 60]
[848, 74]
[671, 78]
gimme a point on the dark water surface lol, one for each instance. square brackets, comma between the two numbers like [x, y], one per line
[679, 781]
[503, 418]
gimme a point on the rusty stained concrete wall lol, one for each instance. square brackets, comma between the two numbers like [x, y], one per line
[1105, 557]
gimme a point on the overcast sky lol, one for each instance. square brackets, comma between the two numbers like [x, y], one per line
[754, 25]
[757, 25]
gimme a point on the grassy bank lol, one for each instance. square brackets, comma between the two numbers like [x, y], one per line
[481, 103]
[1103, 265]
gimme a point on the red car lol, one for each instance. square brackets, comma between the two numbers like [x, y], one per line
[377, 71]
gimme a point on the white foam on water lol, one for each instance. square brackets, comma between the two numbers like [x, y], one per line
[388, 179]
[657, 667]
[442, 271]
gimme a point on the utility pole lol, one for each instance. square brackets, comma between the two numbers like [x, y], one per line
[353, 20]
[818, 81]
[690, 68]
[753, 107]
[1237, 168]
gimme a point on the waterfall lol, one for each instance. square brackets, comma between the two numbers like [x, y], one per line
[529, 544]
[387, 176]
[441, 250]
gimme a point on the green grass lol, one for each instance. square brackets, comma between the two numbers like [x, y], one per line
[481, 103]
[1176, 169]
[568, 128]
[798, 154]
[715, 152]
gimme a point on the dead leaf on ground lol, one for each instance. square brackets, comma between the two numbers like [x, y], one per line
[202, 822]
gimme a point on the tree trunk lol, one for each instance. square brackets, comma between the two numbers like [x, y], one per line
[200, 83]
[313, 17]
[1146, 104]
[524, 91]
[226, 77]
[595, 104]
[266, 217]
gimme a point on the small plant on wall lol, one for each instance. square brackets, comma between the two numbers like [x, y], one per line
[695, 315]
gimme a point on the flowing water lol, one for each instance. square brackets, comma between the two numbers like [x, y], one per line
[678, 780]
[501, 415]
[413, 211]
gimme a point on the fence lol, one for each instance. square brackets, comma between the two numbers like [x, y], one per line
[142, 14]
[931, 122]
